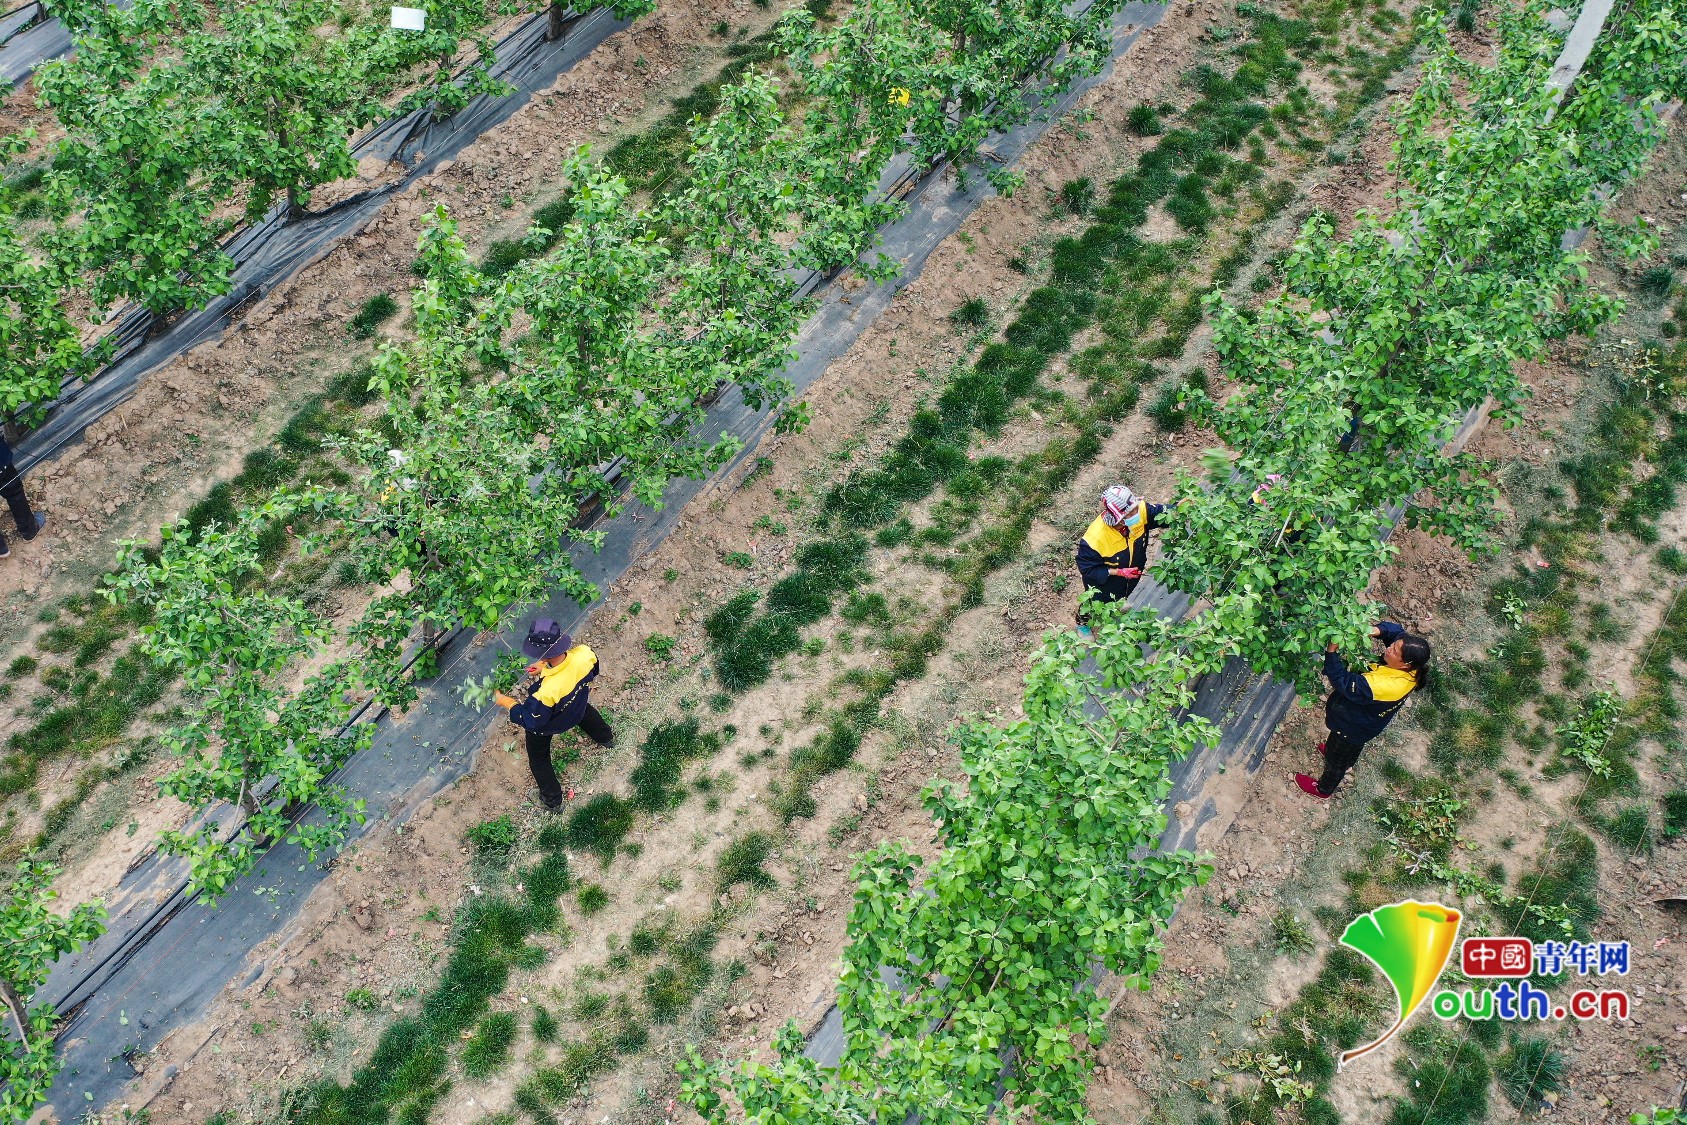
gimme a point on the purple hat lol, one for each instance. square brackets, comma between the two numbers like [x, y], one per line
[546, 639]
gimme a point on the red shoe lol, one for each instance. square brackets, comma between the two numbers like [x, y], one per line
[1321, 751]
[1309, 786]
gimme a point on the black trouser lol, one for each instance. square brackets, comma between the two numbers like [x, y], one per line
[1340, 754]
[539, 755]
[11, 487]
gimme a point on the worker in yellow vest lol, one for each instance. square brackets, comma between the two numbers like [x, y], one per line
[1361, 704]
[1114, 550]
[557, 702]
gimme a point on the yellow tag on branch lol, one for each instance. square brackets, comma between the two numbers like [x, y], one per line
[899, 95]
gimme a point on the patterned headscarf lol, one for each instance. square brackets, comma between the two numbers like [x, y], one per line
[1116, 503]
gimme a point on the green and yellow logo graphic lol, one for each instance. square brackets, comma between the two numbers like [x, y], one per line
[1410, 942]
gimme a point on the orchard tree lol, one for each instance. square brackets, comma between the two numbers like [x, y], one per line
[130, 178]
[1420, 316]
[1047, 868]
[285, 99]
[465, 511]
[32, 938]
[40, 345]
[263, 733]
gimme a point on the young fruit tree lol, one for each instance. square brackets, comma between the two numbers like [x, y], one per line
[40, 345]
[1415, 320]
[284, 99]
[1048, 868]
[32, 937]
[132, 181]
[266, 726]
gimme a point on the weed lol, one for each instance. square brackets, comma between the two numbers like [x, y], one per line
[592, 898]
[743, 560]
[319, 1036]
[1673, 560]
[1290, 934]
[1528, 1070]
[494, 840]
[1657, 282]
[1675, 813]
[1143, 121]
[376, 309]
[363, 1000]
[22, 666]
[1076, 197]
[742, 861]
[545, 1026]
[590, 1006]
[488, 1050]
[660, 645]
[973, 313]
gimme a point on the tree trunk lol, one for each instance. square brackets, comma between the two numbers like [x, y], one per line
[554, 26]
[14, 1004]
[430, 633]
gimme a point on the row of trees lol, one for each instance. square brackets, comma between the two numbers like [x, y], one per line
[1048, 866]
[526, 398]
[180, 115]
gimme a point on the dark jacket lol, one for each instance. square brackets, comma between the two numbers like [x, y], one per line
[1362, 703]
[1126, 547]
[559, 697]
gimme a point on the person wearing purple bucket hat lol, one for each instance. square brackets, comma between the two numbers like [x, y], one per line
[557, 701]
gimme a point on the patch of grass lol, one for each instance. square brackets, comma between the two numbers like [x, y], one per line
[407, 1073]
[1675, 813]
[1567, 873]
[742, 861]
[1143, 121]
[592, 898]
[489, 1050]
[600, 825]
[748, 643]
[22, 666]
[376, 309]
[94, 719]
[1631, 830]
[1673, 560]
[1529, 1069]
[1657, 282]
[662, 758]
[1076, 197]
[1446, 1079]
[545, 1025]
[972, 313]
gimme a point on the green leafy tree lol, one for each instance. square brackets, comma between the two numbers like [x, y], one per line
[264, 731]
[1417, 318]
[283, 97]
[1046, 870]
[32, 937]
[130, 181]
[40, 344]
